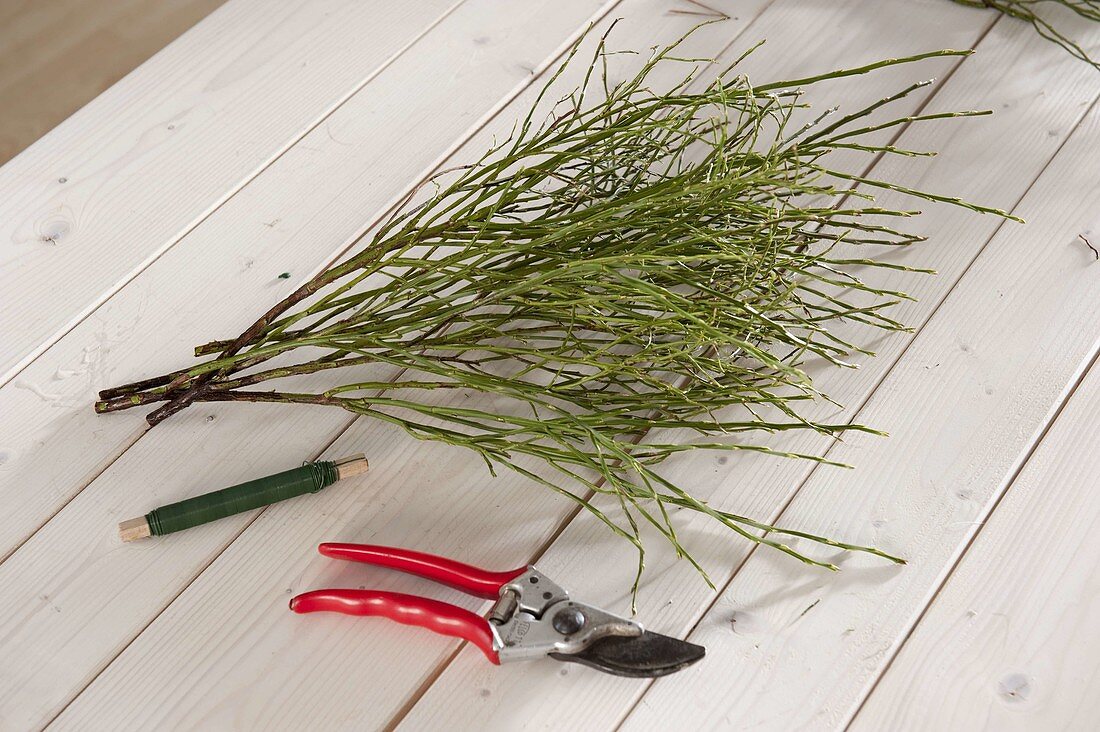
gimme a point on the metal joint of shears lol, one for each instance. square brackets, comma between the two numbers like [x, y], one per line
[532, 616]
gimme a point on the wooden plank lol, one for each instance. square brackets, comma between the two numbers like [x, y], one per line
[129, 673]
[965, 405]
[56, 56]
[369, 670]
[315, 199]
[89, 206]
[1038, 95]
[324, 191]
[1010, 642]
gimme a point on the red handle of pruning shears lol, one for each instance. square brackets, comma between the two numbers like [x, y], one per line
[469, 579]
[434, 615]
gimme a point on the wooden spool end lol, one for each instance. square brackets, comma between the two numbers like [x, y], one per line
[352, 465]
[134, 529]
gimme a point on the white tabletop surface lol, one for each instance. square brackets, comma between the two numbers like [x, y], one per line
[271, 135]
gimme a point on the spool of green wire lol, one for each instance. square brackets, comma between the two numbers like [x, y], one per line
[308, 478]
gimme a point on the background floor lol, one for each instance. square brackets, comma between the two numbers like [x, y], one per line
[58, 55]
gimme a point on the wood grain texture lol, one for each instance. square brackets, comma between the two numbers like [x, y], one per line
[56, 56]
[117, 184]
[1038, 97]
[421, 495]
[295, 216]
[1010, 643]
[965, 405]
[342, 175]
[191, 631]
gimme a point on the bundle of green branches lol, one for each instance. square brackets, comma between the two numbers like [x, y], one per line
[1032, 11]
[638, 260]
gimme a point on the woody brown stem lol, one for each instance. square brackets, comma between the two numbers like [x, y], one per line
[135, 387]
[200, 384]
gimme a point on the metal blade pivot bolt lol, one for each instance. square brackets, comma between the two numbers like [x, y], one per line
[568, 620]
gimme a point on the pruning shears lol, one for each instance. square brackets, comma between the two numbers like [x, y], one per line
[531, 618]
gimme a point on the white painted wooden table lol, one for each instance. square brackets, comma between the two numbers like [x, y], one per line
[271, 135]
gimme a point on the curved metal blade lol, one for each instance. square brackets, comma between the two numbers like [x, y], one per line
[645, 655]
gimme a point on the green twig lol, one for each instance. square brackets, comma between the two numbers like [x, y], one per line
[639, 260]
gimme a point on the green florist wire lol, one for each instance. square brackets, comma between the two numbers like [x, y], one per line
[639, 262]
